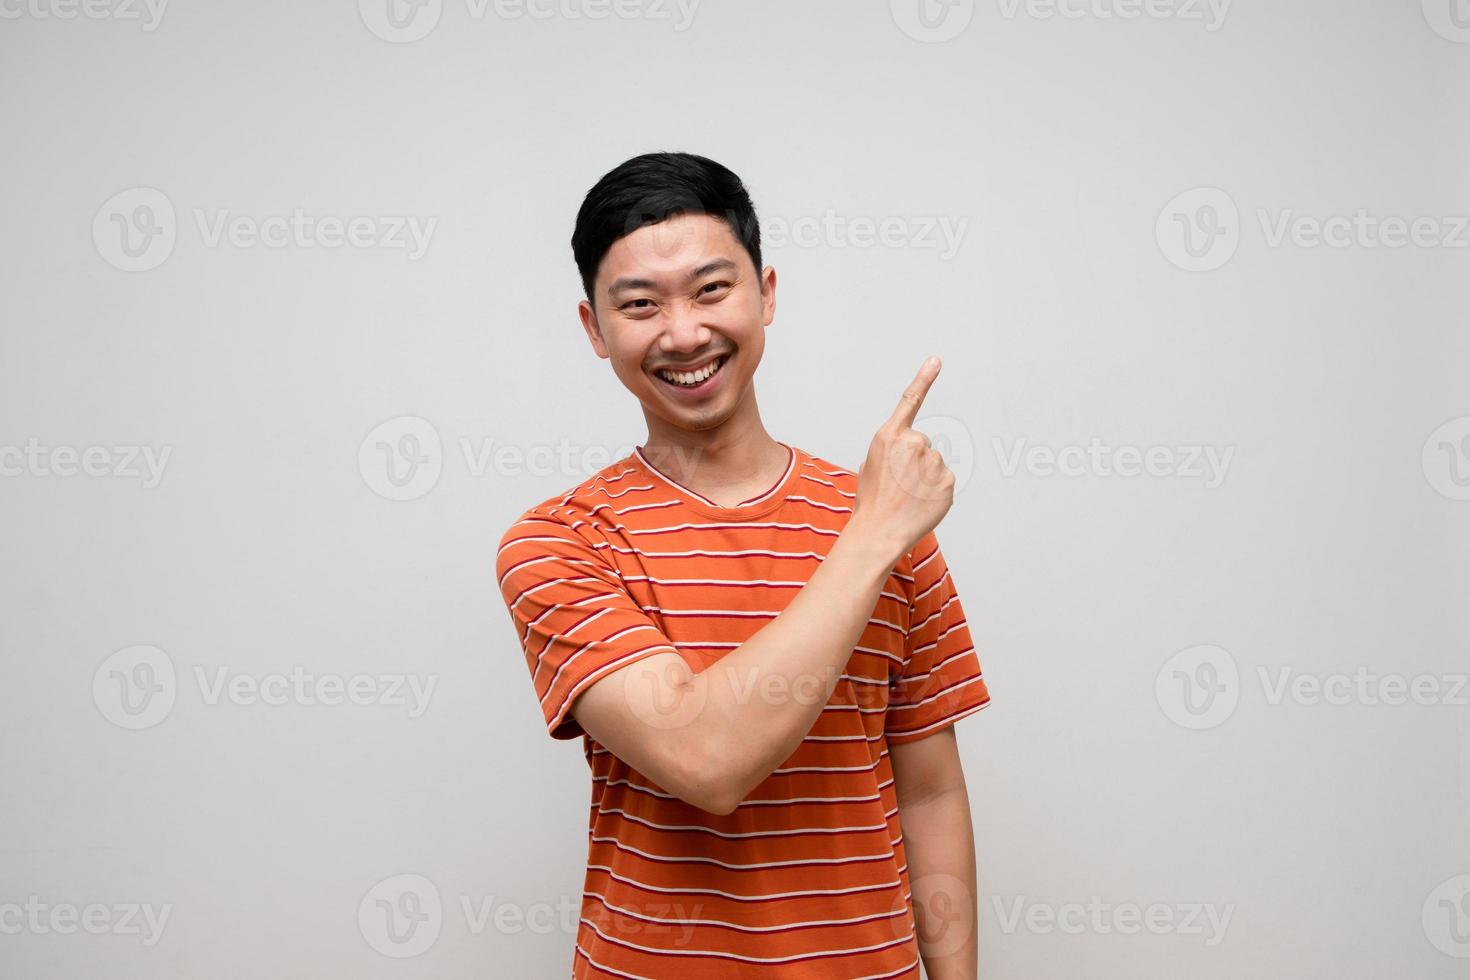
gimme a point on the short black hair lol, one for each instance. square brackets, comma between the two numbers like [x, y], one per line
[652, 188]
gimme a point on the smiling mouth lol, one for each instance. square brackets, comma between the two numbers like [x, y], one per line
[691, 380]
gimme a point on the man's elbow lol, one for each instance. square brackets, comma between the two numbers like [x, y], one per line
[706, 781]
[721, 806]
[681, 750]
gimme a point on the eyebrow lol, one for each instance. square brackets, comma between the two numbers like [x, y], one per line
[714, 265]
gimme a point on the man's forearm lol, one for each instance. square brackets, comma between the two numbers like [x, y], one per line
[939, 841]
[761, 700]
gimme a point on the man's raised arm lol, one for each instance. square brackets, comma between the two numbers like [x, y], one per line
[701, 735]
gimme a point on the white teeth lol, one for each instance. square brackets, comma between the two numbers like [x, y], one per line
[693, 377]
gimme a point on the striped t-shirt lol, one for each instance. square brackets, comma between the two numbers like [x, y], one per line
[807, 878]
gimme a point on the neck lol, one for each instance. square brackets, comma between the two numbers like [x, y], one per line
[731, 454]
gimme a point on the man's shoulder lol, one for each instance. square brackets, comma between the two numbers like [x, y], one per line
[841, 480]
[573, 505]
[824, 465]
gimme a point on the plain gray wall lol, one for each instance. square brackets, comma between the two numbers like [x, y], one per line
[1135, 630]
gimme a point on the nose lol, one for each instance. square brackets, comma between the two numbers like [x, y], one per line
[683, 333]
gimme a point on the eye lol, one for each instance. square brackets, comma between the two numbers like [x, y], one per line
[632, 304]
[715, 285]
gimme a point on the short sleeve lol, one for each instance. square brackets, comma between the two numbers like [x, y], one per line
[573, 616]
[941, 680]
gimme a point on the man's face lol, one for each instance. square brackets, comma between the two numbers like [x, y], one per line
[682, 295]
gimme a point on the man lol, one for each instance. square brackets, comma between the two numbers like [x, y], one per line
[762, 651]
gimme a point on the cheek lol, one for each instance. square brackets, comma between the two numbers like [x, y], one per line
[750, 341]
[630, 350]
[740, 322]
[627, 363]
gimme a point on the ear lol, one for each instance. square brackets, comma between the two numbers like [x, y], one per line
[768, 295]
[594, 330]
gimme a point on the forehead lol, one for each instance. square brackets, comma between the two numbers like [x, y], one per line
[667, 251]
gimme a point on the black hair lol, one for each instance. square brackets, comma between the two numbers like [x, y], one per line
[652, 188]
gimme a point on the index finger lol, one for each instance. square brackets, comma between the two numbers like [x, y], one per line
[913, 396]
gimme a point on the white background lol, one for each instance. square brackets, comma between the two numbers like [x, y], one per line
[1334, 833]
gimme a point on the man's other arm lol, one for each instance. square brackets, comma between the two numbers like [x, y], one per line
[939, 842]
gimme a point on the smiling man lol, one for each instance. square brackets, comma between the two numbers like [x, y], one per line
[763, 652]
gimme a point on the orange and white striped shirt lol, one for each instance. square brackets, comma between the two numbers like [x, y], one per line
[807, 878]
